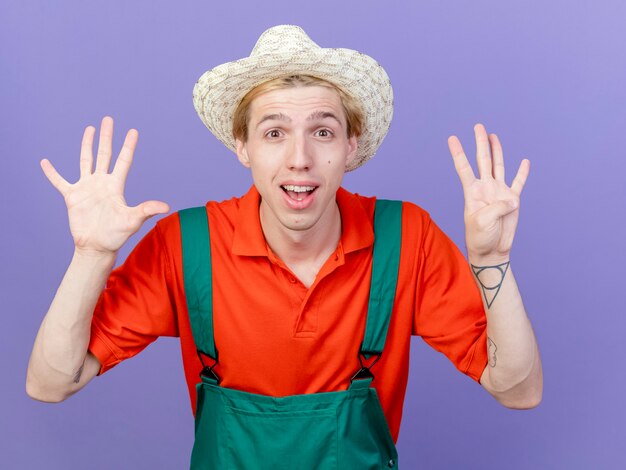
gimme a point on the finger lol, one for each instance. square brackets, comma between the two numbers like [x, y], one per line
[86, 151]
[497, 157]
[489, 215]
[462, 166]
[104, 145]
[54, 177]
[522, 175]
[125, 158]
[483, 155]
[147, 209]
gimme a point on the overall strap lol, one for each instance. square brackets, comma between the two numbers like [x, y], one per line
[197, 276]
[385, 264]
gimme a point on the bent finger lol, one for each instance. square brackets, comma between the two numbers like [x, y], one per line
[105, 143]
[54, 177]
[522, 175]
[461, 164]
[125, 158]
[489, 215]
[86, 151]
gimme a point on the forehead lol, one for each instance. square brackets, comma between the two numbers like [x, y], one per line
[297, 102]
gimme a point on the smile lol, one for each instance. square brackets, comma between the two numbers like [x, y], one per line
[297, 192]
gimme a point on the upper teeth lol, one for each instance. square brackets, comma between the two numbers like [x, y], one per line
[298, 189]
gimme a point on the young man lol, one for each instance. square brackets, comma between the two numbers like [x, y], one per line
[301, 287]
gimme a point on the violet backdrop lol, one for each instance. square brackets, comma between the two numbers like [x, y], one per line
[548, 77]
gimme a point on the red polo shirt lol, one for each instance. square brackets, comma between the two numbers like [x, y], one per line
[274, 335]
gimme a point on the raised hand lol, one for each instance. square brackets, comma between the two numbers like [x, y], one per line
[100, 220]
[491, 207]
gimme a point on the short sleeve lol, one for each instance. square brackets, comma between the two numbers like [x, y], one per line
[136, 305]
[449, 313]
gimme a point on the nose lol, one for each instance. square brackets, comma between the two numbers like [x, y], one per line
[299, 157]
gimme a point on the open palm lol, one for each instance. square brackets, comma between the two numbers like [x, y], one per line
[100, 220]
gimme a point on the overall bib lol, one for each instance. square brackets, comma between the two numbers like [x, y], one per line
[330, 430]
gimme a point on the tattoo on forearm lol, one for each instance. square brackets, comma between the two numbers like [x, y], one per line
[491, 352]
[78, 374]
[486, 278]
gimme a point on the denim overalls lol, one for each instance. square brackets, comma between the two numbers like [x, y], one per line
[331, 430]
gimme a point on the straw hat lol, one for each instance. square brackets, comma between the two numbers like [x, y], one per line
[287, 50]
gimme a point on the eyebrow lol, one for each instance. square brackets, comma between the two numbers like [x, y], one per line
[274, 117]
[319, 115]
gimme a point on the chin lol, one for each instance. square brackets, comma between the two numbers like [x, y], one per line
[298, 225]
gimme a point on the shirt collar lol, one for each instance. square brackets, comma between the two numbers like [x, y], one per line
[249, 239]
[357, 231]
[356, 225]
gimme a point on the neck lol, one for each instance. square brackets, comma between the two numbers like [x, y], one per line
[304, 251]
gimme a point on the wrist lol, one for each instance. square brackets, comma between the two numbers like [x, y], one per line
[84, 256]
[488, 260]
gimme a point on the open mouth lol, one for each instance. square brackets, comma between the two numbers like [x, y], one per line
[298, 193]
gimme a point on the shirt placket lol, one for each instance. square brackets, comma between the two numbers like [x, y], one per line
[307, 302]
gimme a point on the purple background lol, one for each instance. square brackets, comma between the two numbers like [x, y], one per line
[548, 77]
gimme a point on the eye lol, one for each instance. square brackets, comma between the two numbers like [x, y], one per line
[324, 133]
[273, 134]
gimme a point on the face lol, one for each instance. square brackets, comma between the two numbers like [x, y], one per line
[297, 150]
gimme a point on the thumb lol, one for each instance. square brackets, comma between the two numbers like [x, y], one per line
[147, 209]
[54, 177]
[495, 211]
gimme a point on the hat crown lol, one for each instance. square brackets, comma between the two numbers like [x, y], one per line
[283, 39]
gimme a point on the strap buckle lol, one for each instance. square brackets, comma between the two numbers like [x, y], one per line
[207, 371]
[364, 372]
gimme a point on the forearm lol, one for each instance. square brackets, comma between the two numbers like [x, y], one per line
[57, 361]
[513, 375]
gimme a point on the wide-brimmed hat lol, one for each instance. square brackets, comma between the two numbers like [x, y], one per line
[287, 50]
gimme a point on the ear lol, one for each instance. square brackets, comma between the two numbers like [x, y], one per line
[242, 153]
[352, 148]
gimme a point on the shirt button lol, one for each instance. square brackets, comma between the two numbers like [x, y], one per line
[292, 279]
[391, 463]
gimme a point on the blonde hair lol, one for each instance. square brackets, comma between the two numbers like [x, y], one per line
[351, 107]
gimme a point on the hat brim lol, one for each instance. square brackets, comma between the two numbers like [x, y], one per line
[219, 91]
